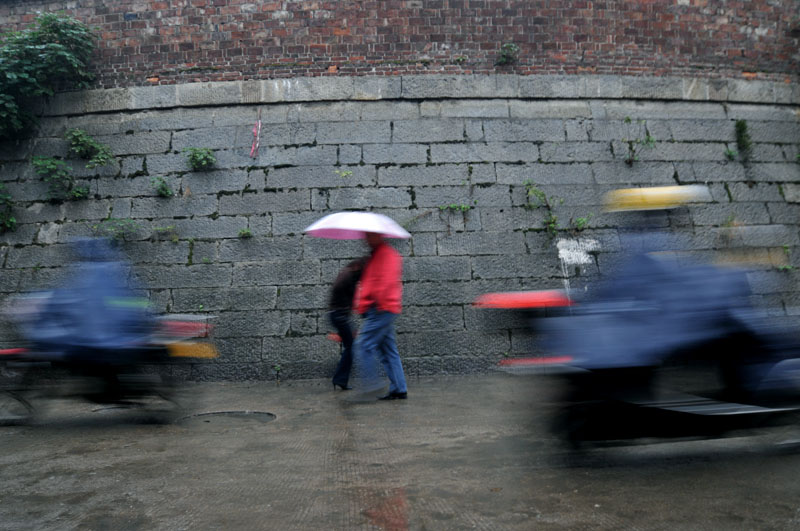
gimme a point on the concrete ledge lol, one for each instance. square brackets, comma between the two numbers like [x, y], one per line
[417, 87]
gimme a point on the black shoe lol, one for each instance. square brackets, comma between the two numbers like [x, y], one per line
[344, 387]
[394, 395]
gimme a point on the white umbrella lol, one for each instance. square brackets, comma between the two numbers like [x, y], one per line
[353, 226]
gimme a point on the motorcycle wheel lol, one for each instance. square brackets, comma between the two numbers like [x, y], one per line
[14, 409]
[576, 425]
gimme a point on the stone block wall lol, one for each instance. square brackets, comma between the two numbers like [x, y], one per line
[450, 165]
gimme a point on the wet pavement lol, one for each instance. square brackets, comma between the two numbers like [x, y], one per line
[460, 453]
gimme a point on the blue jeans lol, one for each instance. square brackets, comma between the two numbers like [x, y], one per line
[376, 341]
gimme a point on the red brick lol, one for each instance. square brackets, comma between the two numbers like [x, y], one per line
[653, 37]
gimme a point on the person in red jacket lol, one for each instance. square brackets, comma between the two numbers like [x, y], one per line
[379, 300]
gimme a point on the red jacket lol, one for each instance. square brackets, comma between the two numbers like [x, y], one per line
[380, 284]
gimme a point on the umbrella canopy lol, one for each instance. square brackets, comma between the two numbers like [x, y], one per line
[353, 226]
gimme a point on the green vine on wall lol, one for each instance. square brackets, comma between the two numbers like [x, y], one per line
[536, 198]
[87, 148]
[636, 139]
[509, 54]
[52, 54]
[60, 182]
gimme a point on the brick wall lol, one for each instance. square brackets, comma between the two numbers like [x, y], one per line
[168, 42]
[413, 149]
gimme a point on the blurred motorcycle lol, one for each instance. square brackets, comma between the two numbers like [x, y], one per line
[95, 339]
[661, 349]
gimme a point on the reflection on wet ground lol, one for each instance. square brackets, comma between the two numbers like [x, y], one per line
[460, 453]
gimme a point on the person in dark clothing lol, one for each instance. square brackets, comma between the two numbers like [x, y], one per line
[341, 301]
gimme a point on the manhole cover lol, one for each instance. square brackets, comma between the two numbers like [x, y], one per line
[220, 418]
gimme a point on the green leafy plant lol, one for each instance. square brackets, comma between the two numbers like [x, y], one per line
[52, 54]
[343, 173]
[200, 159]
[59, 179]
[206, 260]
[119, 229]
[7, 220]
[743, 141]
[637, 137]
[580, 223]
[731, 154]
[163, 189]
[787, 267]
[551, 224]
[509, 53]
[797, 157]
[536, 198]
[86, 147]
[245, 233]
[535, 194]
[78, 192]
[456, 207]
